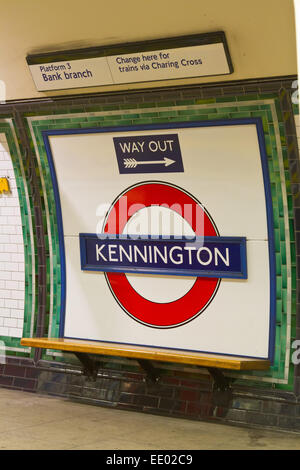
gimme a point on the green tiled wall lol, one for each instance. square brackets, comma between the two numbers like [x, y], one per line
[281, 373]
[13, 344]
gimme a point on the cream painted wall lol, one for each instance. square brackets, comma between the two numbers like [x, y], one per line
[260, 33]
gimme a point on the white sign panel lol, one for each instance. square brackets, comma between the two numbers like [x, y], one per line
[165, 64]
[220, 170]
[73, 74]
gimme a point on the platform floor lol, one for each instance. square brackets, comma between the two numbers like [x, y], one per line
[31, 421]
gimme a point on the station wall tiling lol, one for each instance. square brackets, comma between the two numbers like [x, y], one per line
[267, 108]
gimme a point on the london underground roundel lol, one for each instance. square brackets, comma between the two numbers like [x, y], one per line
[193, 302]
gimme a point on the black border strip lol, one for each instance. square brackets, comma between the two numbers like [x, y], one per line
[127, 48]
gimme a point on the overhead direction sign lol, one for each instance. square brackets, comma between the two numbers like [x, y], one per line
[183, 57]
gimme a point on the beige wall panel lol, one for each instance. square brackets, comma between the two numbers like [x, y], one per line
[260, 33]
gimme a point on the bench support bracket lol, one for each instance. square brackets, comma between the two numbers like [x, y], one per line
[90, 366]
[151, 372]
[221, 383]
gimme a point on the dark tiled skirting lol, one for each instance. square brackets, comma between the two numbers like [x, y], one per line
[176, 396]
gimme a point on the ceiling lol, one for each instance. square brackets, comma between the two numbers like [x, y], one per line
[260, 34]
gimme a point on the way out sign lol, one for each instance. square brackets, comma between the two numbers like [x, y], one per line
[148, 154]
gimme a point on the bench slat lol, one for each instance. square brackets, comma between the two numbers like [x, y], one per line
[141, 352]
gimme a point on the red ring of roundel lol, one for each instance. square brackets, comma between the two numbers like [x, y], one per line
[180, 311]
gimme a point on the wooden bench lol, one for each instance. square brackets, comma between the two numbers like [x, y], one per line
[144, 355]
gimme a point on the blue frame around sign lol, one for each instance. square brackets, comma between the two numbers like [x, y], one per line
[178, 125]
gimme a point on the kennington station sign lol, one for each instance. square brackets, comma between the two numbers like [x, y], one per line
[199, 256]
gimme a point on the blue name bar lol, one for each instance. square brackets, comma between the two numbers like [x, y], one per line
[218, 257]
